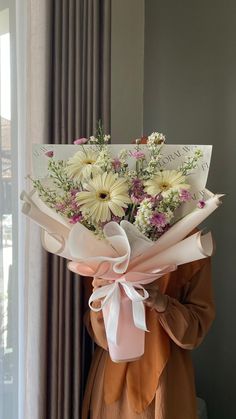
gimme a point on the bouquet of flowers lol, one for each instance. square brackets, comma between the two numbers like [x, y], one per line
[118, 214]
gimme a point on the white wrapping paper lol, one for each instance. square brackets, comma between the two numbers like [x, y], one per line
[125, 255]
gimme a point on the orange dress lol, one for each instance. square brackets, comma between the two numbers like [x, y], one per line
[161, 384]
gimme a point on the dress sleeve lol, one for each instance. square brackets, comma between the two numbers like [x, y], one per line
[188, 321]
[95, 326]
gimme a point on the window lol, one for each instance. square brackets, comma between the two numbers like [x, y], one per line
[9, 353]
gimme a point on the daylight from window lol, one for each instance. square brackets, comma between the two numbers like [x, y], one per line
[7, 339]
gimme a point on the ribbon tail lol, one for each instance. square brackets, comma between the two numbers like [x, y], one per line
[113, 316]
[139, 316]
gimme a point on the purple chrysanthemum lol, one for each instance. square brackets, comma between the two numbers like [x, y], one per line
[158, 219]
[137, 192]
[137, 184]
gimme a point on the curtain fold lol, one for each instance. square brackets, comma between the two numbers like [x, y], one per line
[80, 68]
[32, 39]
[79, 95]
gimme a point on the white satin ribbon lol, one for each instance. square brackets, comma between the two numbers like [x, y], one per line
[112, 296]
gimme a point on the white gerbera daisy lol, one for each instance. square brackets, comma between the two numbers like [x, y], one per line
[82, 165]
[165, 182]
[106, 194]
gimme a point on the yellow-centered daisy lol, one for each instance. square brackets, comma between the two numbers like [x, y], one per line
[106, 194]
[165, 182]
[82, 165]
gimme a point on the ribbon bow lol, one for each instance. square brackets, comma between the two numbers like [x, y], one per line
[112, 297]
[112, 294]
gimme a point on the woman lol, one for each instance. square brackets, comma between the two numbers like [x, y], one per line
[160, 385]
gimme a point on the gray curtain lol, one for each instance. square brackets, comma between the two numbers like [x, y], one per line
[80, 68]
[79, 94]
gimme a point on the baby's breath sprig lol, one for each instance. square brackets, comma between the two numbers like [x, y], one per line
[104, 160]
[169, 203]
[57, 172]
[48, 196]
[100, 133]
[155, 143]
[143, 216]
[100, 139]
[123, 161]
[191, 162]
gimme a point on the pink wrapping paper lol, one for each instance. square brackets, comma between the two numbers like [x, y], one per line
[130, 339]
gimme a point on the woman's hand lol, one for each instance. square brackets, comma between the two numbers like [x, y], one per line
[98, 283]
[156, 300]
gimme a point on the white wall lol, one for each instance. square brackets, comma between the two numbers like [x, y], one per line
[127, 51]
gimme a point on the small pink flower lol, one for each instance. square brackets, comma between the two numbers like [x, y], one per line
[76, 219]
[155, 200]
[137, 154]
[74, 206]
[80, 141]
[49, 153]
[116, 164]
[60, 206]
[185, 195]
[136, 199]
[201, 204]
[116, 218]
[73, 192]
